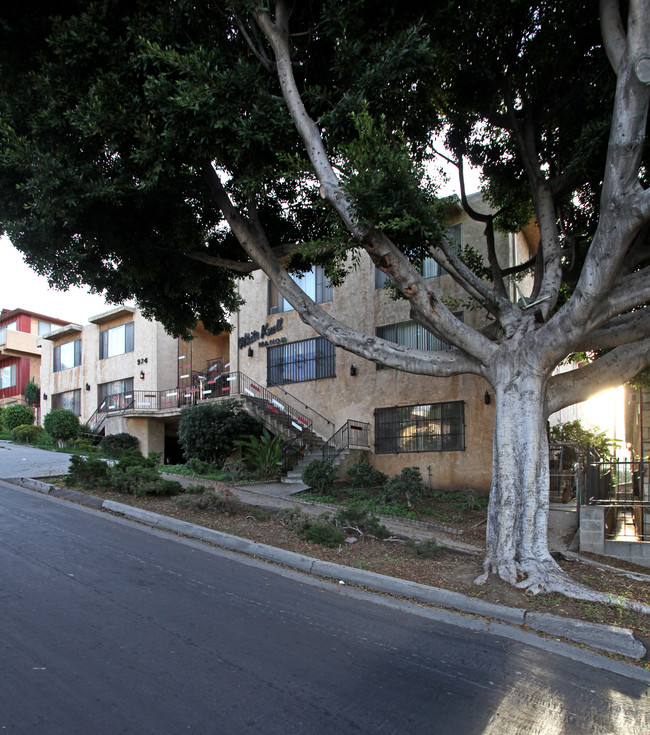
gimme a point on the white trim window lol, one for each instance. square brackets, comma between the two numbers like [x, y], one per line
[8, 376]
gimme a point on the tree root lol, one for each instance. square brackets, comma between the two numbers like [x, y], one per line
[537, 577]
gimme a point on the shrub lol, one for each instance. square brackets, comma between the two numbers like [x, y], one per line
[363, 474]
[133, 474]
[32, 392]
[236, 471]
[325, 534]
[142, 480]
[408, 486]
[83, 444]
[26, 433]
[426, 549]
[217, 499]
[208, 431]
[199, 467]
[357, 518]
[319, 474]
[88, 473]
[61, 424]
[17, 415]
[265, 453]
[114, 445]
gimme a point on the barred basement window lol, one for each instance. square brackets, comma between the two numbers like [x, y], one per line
[296, 362]
[429, 427]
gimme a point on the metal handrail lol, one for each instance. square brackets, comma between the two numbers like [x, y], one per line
[302, 403]
[222, 385]
[352, 433]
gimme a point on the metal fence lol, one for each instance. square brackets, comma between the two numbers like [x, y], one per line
[622, 487]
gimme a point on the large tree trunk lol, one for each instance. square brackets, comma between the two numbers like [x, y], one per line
[516, 535]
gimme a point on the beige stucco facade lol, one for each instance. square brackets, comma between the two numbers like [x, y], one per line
[358, 388]
[155, 362]
[151, 365]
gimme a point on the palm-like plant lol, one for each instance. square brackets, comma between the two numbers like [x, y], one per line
[264, 452]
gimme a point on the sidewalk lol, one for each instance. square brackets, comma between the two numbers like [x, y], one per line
[597, 636]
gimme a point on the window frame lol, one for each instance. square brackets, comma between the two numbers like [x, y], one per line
[60, 400]
[115, 395]
[408, 429]
[424, 339]
[13, 375]
[58, 365]
[430, 268]
[313, 282]
[13, 326]
[300, 362]
[107, 347]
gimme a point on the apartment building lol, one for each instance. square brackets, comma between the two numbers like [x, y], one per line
[20, 356]
[124, 373]
[441, 425]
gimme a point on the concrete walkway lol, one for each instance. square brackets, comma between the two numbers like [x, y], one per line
[562, 523]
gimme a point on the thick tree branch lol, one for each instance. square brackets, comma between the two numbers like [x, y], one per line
[608, 371]
[425, 305]
[256, 245]
[233, 265]
[618, 331]
[612, 31]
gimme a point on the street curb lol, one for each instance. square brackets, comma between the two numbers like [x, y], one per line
[595, 635]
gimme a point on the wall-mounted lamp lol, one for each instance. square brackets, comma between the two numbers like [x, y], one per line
[250, 352]
[486, 398]
[87, 386]
[141, 374]
[45, 396]
[353, 370]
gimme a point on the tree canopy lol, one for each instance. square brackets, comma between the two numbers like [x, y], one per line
[141, 142]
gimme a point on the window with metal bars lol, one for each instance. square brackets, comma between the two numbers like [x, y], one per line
[70, 399]
[410, 334]
[429, 427]
[296, 362]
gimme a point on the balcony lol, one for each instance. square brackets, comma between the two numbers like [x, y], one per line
[19, 344]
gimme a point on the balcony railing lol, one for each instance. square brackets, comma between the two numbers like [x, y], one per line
[223, 385]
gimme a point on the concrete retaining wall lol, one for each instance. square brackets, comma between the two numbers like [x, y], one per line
[592, 538]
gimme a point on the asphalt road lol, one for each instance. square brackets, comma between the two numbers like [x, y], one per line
[110, 627]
